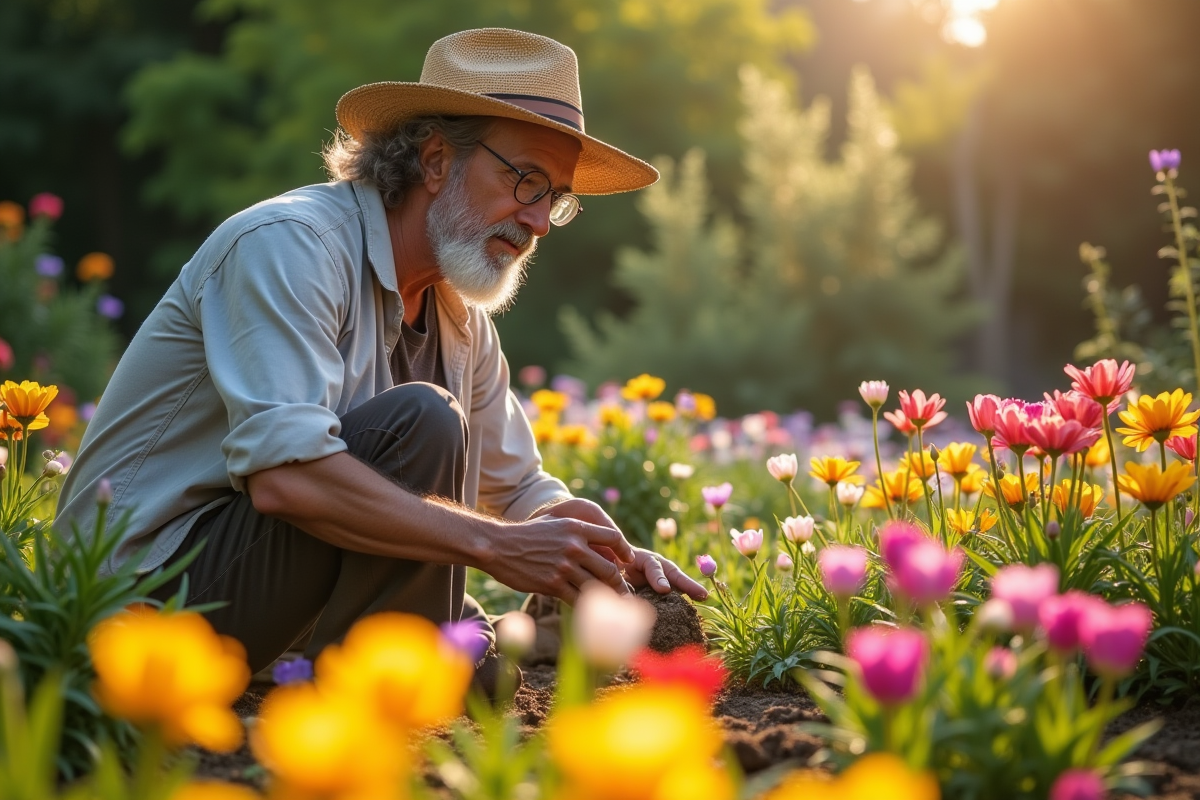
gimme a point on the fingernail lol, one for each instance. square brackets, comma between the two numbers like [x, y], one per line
[664, 582]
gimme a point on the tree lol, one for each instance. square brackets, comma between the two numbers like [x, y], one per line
[836, 279]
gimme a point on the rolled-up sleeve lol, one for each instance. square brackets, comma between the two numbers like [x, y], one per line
[271, 313]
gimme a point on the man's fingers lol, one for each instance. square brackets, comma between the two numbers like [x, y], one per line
[596, 567]
[680, 580]
[653, 570]
[610, 538]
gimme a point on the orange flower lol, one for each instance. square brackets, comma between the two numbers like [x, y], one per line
[919, 464]
[964, 520]
[550, 402]
[545, 430]
[1010, 488]
[660, 411]
[1156, 419]
[1153, 487]
[27, 399]
[576, 436]
[706, 407]
[832, 469]
[643, 387]
[898, 491]
[214, 790]
[956, 458]
[12, 220]
[94, 267]
[612, 414]
[1089, 497]
[10, 426]
[874, 776]
[1097, 454]
[972, 482]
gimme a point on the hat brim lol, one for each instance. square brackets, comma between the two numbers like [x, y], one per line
[602, 168]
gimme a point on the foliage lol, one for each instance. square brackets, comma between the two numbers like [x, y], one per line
[836, 275]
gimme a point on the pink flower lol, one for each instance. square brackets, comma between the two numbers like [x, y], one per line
[1079, 407]
[1183, 446]
[873, 393]
[46, 205]
[707, 565]
[1012, 427]
[1025, 589]
[783, 467]
[1113, 637]
[843, 569]
[922, 411]
[895, 538]
[891, 661]
[610, 628]
[1104, 381]
[1077, 784]
[7, 357]
[798, 529]
[926, 573]
[1000, 663]
[1061, 616]
[1057, 436]
[612, 495]
[900, 422]
[748, 542]
[717, 496]
[982, 411]
[784, 563]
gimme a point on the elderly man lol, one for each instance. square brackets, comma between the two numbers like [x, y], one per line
[321, 398]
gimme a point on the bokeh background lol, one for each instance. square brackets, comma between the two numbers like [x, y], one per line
[993, 138]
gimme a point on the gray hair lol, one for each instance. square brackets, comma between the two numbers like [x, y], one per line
[391, 161]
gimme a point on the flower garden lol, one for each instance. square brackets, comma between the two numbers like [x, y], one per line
[920, 601]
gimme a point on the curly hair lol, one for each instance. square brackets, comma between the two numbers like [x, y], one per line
[391, 161]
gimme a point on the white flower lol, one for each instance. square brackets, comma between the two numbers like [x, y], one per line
[783, 467]
[874, 393]
[515, 634]
[610, 628]
[807, 549]
[755, 427]
[798, 529]
[667, 527]
[848, 493]
[681, 472]
[995, 615]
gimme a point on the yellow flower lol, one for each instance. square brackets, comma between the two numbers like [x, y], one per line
[1010, 488]
[643, 387]
[1090, 495]
[545, 430]
[27, 399]
[1097, 454]
[12, 220]
[874, 776]
[1153, 487]
[645, 743]
[965, 520]
[972, 482]
[919, 464]
[214, 790]
[901, 487]
[660, 411]
[1156, 419]
[9, 423]
[550, 402]
[400, 665]
[612, 414]
[320, 743]
[956, 458]
[94, 267]
[171, 671]
[831, 469]
[576, 436]
[706, 407]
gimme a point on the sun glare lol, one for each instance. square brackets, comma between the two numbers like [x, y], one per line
[963, 23]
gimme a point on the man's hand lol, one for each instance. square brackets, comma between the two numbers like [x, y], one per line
[641, 567]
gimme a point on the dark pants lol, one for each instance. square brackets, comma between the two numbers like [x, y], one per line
[285, 589]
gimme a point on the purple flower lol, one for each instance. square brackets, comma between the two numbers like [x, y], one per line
[467, 636]
[717, 496]
[297, 671]
[87, 411]
[1163, 160]
[1077, 784]
[612, 495]
[48, 266]
[686, 403]
[109, 306]
[707, 565]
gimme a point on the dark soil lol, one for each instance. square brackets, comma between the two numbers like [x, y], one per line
[761, 726]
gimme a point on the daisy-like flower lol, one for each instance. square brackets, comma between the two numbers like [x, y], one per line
[965, 520]
[1089, 496]
[1152, 487]
[956, 458]
[922, 411]
[1156, 419]
[1010, 488]
[901, 487]
[1183, 446]
[900, 422]
[1097, 454]
[643, 387]
[972, 482]
[1057, 436]
[660, 411]
[1104, 381]
[550, 402]
[921, 465]
[27, 399]
[832, 469]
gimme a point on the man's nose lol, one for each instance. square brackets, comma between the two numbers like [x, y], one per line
[536, 217]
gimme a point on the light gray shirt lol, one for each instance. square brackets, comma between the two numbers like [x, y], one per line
[283, 320]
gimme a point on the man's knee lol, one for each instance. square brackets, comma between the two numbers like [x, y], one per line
[429, 411]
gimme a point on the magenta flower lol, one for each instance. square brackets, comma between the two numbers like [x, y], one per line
[982, 411]
[1113, 637]
[1103, 381]
[843, 569]
[7, 356]
[1077, 784]
[1163, 160]
[1061, 616]
[707, 565]
[891, 661]
[748, 543]
[46, 205]
[1079, 407]
[1012, 426]
[1183, 446]
[468, 636]
[612, 495]
[895, 537]
[1057, 436]
[717, 496]
[922, 411]
[1025, 589]
[1000, 663]
[926, 573]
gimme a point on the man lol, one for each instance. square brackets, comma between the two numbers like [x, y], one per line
[321, 398]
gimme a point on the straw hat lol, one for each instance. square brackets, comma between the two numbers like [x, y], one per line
[499, 73]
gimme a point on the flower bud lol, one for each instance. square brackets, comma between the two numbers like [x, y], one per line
[798, 529]
[1077, 784]
[667, 527]
[707, 565]
[51, 469]
[516, 633]
[48, 455]
[1188, 517]
[104, 492]
[783, 467]
[934, 453]
[848, 494]
[891, 662]
[1052, 530]
[807, 549]
[873, 393]
[1025, 589]
[784, 563]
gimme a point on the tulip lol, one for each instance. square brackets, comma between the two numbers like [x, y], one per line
[1077, 784]
[681, 472]
[1000, 663]
[516, 633]
[609, 628]
[783, 467]
[1053, 529]
[1113, 637]
[667, 527]
[926, 573]
[982, 411]
[1079, 407]
[1104, 381]
[1058, 436]
[784, 563]
[895, 537]
[848, 493]
[1012, 427]
[747, 542]
[798, 529]
[873, 393]
[717, 496]
[707, 565]
[1025, 589]
[921, 411]
[843, 569]
[1061, 616]
[891, 661]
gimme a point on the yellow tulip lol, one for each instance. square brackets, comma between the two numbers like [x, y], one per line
[902, 486]
[1156, 419]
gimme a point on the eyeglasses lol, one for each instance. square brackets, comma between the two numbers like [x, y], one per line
[534, 185]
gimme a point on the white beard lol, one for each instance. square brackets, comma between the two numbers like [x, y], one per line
[459, 237]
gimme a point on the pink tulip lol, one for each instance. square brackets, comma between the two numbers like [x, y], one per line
[717, 496]
[748, 542]
[1113, 637]
[1057, 436]
[922, 411]
[46, 205]
[1025, 589]
[1079, 407]
[707, 565]
[982, 411]
[1061, 616]
[1104, 381]
[1012, 427]
[873, 393]
[1183, 446]
[926, 573]
[784, 563]
[1000, 663]
[1077, 784]
[798, 529]
[891, 661]
[900, 422]
[783, 467]
[895, 538]
[843, 569]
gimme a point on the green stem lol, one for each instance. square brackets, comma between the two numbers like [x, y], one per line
[1112, 459]
[879, 461]
[924, 481]
[1185, 276]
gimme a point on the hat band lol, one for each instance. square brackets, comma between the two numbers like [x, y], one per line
[547, 107]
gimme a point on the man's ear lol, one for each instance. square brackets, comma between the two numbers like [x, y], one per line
[436, 158]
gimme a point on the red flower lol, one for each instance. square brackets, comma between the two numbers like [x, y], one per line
[1183, 446]
[922, 411]
[1104, 381]
[687, 666]
[46, 205]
